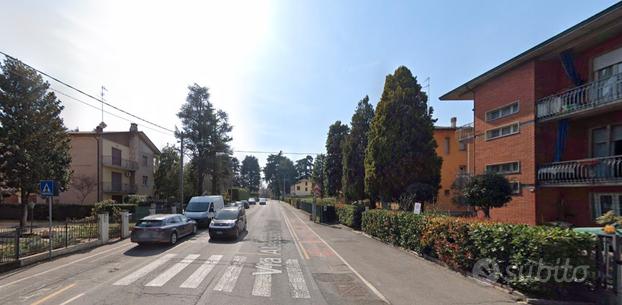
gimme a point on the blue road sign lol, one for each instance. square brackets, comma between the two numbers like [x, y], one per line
[46, 187]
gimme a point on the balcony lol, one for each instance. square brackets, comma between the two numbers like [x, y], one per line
[582, 99]
[465, 132]
[585, 172]
[123, 188]
[120, 163]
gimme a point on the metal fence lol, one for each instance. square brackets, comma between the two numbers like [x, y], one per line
[608, 258]
[16, 243]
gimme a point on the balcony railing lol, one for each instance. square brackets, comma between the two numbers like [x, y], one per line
[607, 170]
[591, 95]
[120, 163]
[124, 188]
[465, 132]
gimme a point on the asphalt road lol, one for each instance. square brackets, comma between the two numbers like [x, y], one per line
[283, 259]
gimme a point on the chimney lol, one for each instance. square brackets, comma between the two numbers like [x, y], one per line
[453, 122]
[133, 127]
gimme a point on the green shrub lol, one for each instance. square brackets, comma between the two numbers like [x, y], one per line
[447, 238]
[381, 224]
[410, 227]
[460, 242]
[350, 214]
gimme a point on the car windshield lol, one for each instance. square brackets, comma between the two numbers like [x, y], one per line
[226, 215]
[148, 223]
[197, 206]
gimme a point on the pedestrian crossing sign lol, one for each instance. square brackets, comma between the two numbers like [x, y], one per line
[47, 188]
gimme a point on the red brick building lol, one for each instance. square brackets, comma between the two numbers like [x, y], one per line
[550, 119]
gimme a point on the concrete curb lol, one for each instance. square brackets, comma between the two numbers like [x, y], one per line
[33, 259]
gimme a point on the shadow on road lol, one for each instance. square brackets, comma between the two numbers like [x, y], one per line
[144, 250]
[229, 240]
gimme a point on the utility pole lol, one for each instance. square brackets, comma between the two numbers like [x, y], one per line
[181, 170]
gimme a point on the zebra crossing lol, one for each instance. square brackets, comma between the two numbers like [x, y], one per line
[228, 277]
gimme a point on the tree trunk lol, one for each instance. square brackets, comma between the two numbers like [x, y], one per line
[24, 202]
[486, 212]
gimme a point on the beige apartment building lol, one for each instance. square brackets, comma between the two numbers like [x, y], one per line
[127, 162]
[302, 188]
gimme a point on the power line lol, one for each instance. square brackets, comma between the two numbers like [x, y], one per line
[108, 112]
[87, 94]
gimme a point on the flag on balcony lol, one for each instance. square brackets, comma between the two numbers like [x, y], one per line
[560, 143]
[568, 63]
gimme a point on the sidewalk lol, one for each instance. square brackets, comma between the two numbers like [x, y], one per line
[401, 277]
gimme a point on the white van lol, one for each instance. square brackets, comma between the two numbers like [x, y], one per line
[203, 208]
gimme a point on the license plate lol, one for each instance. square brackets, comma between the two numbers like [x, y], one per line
[218, 232]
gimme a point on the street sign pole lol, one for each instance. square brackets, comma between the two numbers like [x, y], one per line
[47, 188]
[50, 228]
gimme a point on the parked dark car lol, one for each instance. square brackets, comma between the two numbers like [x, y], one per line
[162, 228]
[246, 204]
[228, 222]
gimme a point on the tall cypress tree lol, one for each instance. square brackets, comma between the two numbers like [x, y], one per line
[318, 177]
[401, 148]
[334, 160]
[354, 146]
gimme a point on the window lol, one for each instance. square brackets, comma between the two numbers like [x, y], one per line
[305, 183]
[461, 145]
[298, 187]
[447, 145]
[502, 112]
[116, 156]
[503, 131]
[306, 189]
[145, 180]
[605, 202]
[446, 192]
[607, 141]
[504, 168]
[516, 187]
[145, 161]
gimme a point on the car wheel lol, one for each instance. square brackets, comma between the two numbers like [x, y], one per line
[173, 239]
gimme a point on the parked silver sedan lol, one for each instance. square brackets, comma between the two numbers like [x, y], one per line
[162, 228]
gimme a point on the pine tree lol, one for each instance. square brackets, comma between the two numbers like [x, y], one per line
[251, 174]
[206, 135]
[304, 168]
[34, 144]
[334, 159]
[166, 177]
[354, 146]
[401, 146]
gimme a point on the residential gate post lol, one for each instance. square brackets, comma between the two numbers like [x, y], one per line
[103, 227]
[66, 235]
[125, 224]
[18, 232]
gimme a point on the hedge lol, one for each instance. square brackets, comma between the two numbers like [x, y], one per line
[460, 243]
[350, 214]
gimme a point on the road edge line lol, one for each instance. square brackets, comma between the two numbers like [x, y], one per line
[294, 236]
[367, 283]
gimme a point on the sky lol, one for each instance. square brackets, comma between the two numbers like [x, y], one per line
[283, 70]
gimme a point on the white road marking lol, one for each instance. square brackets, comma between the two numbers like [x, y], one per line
[132, 277]
[263, 285]
[296, 280]
[228, 280]
[171, 272]
[199, 275]
[368, 284]
[292, 232]
[61, 266]
[72, 299]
